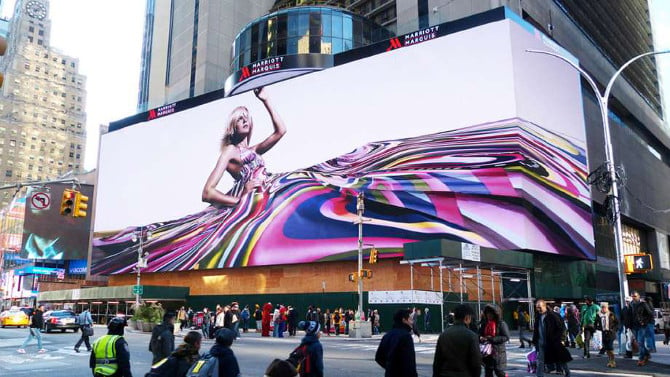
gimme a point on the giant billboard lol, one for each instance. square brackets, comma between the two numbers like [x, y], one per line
[465, 137]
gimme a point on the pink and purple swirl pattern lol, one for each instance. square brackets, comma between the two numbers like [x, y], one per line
[507, 185]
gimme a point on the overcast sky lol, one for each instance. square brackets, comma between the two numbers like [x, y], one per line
[106, 36]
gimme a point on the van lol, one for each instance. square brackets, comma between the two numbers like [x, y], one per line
[658, 320]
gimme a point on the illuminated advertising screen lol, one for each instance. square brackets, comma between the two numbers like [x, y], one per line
[49, 235]
[465, 137]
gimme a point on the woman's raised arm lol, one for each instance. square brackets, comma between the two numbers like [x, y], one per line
[277, 123]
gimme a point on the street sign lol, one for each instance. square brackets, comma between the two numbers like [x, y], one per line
[638, 263]
[40, 201]
[138, 289]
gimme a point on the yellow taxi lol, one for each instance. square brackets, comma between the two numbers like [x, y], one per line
[14, 317]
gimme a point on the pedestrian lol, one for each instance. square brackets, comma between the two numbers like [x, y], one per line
[396, 350]
[206, 321]
[521, 322]
[375, 322]
[651, 328]
[547, 337]
[426, 320]
[111, 356]
[258, 317]
[182, 318]
[312, 365]
[86, 327]
[494, 331]
[415, 323]
[245, 315]
[608, 324]
[337, 319]
[327, 318]
[179, 361]
[228, 366]
[161, 343]
[588, 314]
[572, 315]
[219, 321]
[457, 350]
[642, 314]
[348, 316]
[281, 368]
[189, 317]
[36, 325]
[267, 319]
[666, 326]
[236, 318]
[292, 320]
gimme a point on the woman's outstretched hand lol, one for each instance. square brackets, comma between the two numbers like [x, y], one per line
[261, 93]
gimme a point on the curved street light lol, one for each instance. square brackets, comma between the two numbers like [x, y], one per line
[141, 258]
[603, 100]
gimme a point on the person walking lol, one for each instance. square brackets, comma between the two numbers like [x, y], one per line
[396, 350]
[574, 327]
[312, 366]
[258, 317]
[494, 331]
[415, 323]
[426, 320]
[161, 343]
[111, 356]
[35, 330]
[206, 322]
[228, 366]
[547, 336]
[86, 327]
[182, 318]
[246, 316]
[457, 350]
[589, 315]
[521, 321]
[181, 360]
[642, 314]
[608, 324]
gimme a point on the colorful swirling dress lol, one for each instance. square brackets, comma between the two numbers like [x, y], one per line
[508, 185]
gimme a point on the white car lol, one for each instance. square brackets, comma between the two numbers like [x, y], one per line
[658, 320]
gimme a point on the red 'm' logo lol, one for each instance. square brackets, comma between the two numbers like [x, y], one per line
[245, 74]
[152, 114]
[395, 43]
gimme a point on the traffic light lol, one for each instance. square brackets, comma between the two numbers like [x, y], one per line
[353, 277]
[373, 256]
[366, 274]
[3, 49]
[80, 205]
[67, 203]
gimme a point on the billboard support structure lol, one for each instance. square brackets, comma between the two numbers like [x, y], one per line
[614, 179]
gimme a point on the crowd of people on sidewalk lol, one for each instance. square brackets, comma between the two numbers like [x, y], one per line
[469, 344]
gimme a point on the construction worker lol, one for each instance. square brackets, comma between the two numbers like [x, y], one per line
[110, 356]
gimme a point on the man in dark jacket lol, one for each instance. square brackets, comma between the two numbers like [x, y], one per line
[547, 336]
[180, 361]
[161, 344]
[36, 325]
[642, 314]
[457, 351]
[228, 366]
[396, 350]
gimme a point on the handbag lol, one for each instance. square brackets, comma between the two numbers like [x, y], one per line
[87, 330]
[579, 340]
[486, 349]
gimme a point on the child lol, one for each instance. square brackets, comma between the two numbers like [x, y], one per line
[312, 365]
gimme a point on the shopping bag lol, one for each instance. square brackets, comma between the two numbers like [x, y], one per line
[597, 341]
[532, 361]
[486, 349]
[579, 341]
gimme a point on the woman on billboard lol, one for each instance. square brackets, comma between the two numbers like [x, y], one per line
[243, 162]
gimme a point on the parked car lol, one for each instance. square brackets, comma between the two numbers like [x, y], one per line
[658, 320]
[61, 320]
[14, 317]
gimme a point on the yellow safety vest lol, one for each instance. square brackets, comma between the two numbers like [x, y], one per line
[104, 349]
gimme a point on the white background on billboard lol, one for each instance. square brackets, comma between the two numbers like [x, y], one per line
[155, 171]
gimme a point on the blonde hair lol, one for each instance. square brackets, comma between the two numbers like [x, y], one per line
[229, 137]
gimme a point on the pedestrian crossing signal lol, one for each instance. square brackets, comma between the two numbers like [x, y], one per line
[67, 202]
[80, 205]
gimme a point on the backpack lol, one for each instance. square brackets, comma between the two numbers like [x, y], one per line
[163, 367]
[206, 366]
[300, 358]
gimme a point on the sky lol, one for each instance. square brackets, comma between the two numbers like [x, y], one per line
[106, 36]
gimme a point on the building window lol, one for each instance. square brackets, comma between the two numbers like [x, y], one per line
[8, 173]
[30, 39]
[41, 32]
[31, 29]
[39, 42]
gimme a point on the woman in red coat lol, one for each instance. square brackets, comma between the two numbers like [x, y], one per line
[267, 318]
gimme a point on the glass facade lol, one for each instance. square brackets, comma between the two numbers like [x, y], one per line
[304, 30]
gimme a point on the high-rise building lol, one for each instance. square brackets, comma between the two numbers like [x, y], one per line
[43, 102]
[186, 49]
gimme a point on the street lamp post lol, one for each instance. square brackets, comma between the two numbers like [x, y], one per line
[141, 258]
[360, 208]
[603, 101]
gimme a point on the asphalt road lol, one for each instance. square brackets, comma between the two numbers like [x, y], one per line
[343, 356]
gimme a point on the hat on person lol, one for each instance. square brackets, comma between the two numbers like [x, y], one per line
[310, 327]
[225, 337]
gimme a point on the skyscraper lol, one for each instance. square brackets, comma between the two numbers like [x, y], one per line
[43, 102]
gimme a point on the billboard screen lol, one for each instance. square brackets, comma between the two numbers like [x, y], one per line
[49, 235]
[465, 137]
